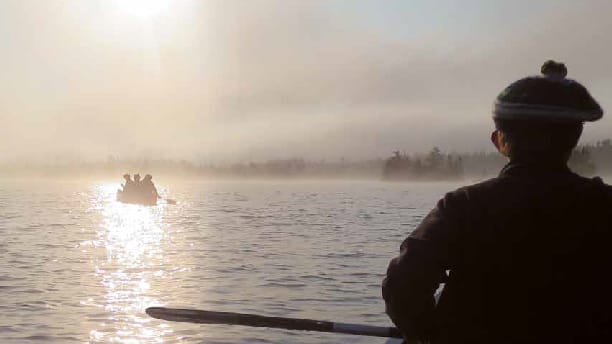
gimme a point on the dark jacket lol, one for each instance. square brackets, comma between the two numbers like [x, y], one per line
[525, 257]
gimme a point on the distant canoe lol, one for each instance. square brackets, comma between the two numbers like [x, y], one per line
[136, 198]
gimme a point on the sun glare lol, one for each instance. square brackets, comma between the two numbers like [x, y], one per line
[143, 8]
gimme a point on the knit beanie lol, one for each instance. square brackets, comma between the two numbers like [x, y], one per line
[549, 97]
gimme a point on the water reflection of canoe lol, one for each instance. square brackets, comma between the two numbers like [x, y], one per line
[136, 198]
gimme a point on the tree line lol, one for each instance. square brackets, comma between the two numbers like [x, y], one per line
[587, 160]
[590, 159]
[433, 165]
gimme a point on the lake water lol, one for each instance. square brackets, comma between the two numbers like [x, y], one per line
[77, 266]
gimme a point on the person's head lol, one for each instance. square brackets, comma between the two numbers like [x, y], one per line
[541, 117]
[148, 177]
[127, 177]
[536, 140]
[137, 177]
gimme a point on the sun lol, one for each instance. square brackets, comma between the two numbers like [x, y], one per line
[143, 8]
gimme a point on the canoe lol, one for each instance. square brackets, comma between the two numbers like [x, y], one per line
[135, 198]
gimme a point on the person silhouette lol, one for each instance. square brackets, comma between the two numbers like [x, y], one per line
[148, 188]
[129, 184]
[521, 255]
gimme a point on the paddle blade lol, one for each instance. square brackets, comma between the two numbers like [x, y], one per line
[210, 317]
[189, 315]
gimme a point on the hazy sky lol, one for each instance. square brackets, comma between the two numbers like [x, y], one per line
[223, 81]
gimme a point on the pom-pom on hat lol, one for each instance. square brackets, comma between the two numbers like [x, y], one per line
[549, 97]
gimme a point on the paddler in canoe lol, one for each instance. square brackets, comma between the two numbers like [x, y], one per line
[523, 256]
[147, 188]
[129, 186]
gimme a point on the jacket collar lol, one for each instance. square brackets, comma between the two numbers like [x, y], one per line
[517, 168]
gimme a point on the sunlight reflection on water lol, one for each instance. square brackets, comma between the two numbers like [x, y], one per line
[131, 235]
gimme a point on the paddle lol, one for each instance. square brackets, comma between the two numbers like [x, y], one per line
[210, 317]
[168, 200]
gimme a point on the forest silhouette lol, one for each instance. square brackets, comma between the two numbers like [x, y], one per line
[588, 160]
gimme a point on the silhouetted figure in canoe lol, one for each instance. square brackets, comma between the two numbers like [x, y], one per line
[129, 184]
[524, 256]
[147, 187]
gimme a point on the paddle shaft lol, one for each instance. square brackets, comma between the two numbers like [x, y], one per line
[168, 200]
[210, 317]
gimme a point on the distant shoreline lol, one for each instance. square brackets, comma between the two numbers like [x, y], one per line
[588, 160]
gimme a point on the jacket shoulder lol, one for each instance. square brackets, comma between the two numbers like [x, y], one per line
[467, 191]
[497, 184]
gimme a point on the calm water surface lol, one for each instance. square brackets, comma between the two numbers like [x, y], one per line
[76, 266]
